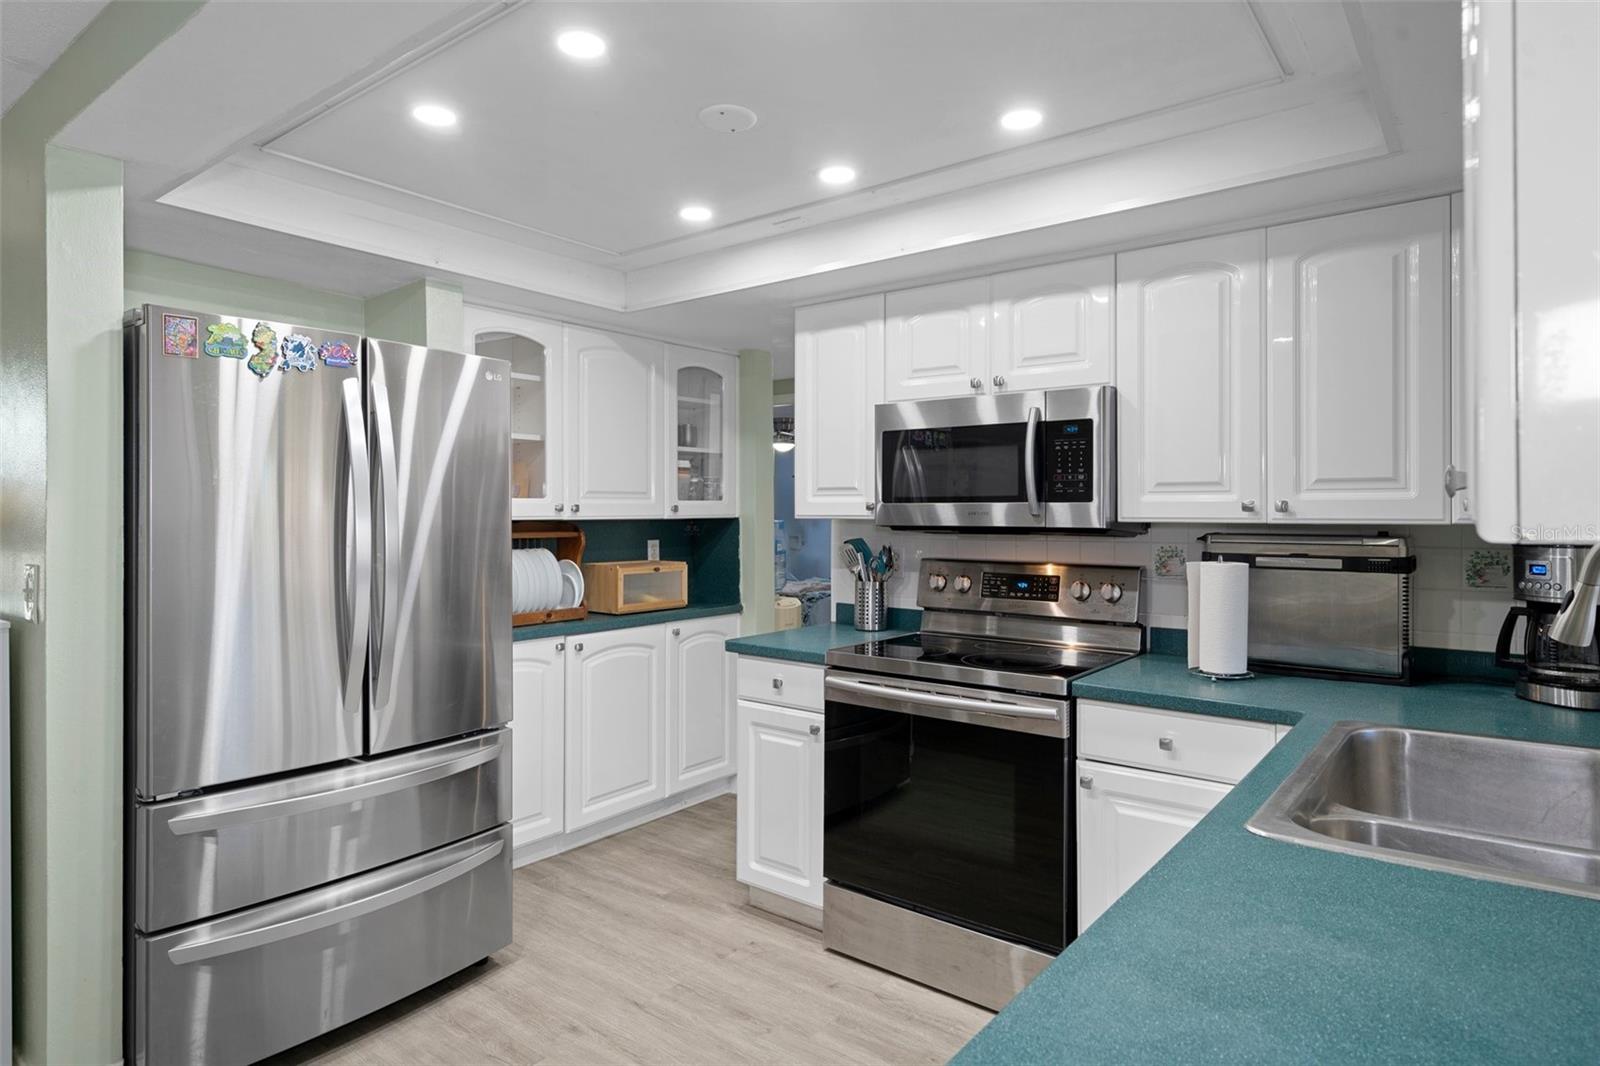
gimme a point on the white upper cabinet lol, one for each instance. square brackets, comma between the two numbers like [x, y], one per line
[1189, 350]
[616, 717]
[616, 458]
[534, 350]
[838, 377]
[1052, 326]
[936, 341]
[1357, 373]
[538, 727]
[700, 702]
[703, 423]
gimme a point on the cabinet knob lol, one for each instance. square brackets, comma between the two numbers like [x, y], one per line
[560, 507]
[577, 647]
[777, 682]
[1165, 743]
[999, 382]
[676, 631]
[977, 383]
[1282, 507]
[562, 646]
[1247, 505]
[1085, 781]
[574, 508]
[872, 506]
[816, 730]
[674, 508]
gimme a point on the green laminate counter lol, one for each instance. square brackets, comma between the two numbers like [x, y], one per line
[1235, 948]
[599, 623]
[808, 644]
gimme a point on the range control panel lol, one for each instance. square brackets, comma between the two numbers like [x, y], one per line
[1050, 590]
[1069, 461]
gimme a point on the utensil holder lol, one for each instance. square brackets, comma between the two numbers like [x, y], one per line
[871, 606]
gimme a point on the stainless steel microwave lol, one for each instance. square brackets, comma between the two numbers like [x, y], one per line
[1020, 462]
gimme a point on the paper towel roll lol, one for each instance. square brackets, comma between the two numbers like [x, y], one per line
[1224, 618]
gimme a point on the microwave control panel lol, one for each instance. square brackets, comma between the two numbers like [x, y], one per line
[1069, 461]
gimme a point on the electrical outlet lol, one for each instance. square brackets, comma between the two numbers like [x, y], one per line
[652, 549]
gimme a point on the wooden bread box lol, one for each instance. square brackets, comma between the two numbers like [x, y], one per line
[633, 587]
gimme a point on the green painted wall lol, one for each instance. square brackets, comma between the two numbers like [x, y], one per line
[61, 302]
[755, 491]
[159, 279]
[424, 312]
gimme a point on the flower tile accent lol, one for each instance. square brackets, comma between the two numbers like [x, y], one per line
[1169, 560]
[1487, 568]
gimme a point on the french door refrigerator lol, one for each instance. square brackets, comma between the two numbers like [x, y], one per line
[318, 674]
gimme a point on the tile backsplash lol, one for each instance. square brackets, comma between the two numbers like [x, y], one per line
[1460, 592]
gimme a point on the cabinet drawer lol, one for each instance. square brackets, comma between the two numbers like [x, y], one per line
[774, 681]
[1170, 741]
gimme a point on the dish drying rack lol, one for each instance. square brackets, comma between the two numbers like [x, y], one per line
[564, 540]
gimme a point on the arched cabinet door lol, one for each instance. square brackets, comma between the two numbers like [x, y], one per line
[1052, 326]
[534, 349]
[703, 423]
[616, 718]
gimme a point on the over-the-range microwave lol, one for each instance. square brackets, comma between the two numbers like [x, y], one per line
[1019, 462]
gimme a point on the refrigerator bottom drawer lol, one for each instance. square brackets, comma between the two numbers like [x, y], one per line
[208, 855]
[240, 988]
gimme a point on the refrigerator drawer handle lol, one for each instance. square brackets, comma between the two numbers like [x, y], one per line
[233, 943]
[210, 821]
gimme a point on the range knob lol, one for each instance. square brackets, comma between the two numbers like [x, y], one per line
[1079, 590]
[1110, 592]
[963, 583]
[936, 582]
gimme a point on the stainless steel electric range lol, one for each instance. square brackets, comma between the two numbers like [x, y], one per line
[948, 836]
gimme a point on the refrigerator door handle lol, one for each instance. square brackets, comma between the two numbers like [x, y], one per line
[270, 931]
[417, 772]
[387, 609]
[361, 595]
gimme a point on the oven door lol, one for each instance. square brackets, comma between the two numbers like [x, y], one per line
[1024, 460]
[951, 801]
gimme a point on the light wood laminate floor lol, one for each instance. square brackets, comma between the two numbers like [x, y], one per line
[640, 948]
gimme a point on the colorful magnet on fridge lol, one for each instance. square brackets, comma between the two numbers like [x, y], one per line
[299, 353]
[180, 336]
[338, 354]
[224, 340]
[265, 341]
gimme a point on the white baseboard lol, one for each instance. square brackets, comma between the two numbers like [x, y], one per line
[524, 852]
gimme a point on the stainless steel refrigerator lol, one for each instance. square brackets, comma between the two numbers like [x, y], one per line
[318, 678]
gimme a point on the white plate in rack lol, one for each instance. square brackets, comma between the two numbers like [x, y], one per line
[572, 583]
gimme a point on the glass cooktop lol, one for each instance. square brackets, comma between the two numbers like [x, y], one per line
[1008, 664]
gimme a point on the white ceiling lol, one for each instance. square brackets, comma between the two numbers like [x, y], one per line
[601, 156]
[558, 192]
[32, 34]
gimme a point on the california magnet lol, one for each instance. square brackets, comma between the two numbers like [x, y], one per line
[338, 354]
[265, 341]
[224, 340]
[299, 353]
[180, 336]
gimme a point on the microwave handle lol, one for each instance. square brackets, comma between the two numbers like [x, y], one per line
[1030, 460]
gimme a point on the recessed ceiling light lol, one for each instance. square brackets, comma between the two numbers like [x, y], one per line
[436, 115]
[1023, 118]
[581, 44]
[836, 174]
[695, 213]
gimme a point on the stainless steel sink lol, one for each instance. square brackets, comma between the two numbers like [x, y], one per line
[1502, 810]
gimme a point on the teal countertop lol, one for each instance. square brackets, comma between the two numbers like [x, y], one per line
[808, 644]
[1235, 948]
[599, 623]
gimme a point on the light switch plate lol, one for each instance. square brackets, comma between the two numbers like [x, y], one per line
[652, 549]
[30, 592]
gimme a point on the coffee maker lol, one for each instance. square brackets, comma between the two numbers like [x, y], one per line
[1548, 671]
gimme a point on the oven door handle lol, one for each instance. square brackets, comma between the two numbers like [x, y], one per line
[1030, 460]
[947, 706]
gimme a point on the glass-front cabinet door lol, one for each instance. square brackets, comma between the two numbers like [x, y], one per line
[703, 423]
[533, 348]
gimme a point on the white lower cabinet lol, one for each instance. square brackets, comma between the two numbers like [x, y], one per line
[700, 699]
[1129, 816]
[779, 834]
[538, 728]
[607, 724]
[1127, 820]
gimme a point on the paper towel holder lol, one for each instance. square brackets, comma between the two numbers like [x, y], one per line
[1221, 677]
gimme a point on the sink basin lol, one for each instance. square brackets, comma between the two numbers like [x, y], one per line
[1502, 810]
